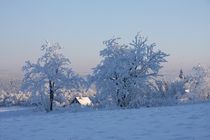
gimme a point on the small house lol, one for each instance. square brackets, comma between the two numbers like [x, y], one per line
[84, 101]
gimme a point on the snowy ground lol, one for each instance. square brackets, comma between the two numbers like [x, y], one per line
[188, 122]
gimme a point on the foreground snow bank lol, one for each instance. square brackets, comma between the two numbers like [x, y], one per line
[165, 123]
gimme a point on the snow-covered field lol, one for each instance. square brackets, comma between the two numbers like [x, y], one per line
[187, 122]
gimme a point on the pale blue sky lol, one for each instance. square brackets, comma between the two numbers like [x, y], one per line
[179, 27]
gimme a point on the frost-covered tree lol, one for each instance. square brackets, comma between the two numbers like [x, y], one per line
[49, 75]
[199, 83]
[193, 87]
[126, 75]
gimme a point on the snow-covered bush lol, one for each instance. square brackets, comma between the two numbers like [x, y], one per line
[10, 94]
[164, 93]
[199, 84]
[49, 76]
[193, 87]
[177, 88]
[127, 74]
[11, 99]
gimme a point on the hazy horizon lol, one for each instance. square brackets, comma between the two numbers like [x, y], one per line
[179, 28]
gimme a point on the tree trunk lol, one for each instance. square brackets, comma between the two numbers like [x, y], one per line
[51, 85]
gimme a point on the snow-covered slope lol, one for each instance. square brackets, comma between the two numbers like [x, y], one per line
[188, 122]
